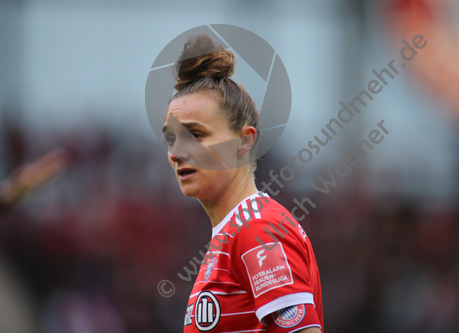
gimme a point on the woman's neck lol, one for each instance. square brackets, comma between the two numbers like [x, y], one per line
[219, 207]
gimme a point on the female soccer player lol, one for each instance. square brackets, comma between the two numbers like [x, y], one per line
[260, 273]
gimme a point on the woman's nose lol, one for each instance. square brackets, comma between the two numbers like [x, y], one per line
[178, 152]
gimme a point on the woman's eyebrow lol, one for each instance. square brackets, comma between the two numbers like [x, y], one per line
[187, 126]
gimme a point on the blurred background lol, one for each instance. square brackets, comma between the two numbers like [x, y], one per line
[84, 251]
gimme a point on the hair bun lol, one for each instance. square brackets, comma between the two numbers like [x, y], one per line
[201, 57]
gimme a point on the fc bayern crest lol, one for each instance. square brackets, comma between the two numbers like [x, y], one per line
[290, 316]
[210, 267]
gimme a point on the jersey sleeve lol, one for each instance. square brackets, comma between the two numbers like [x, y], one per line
[271, 261]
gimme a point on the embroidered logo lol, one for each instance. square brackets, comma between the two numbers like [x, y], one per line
[290, 316]
[210, 267]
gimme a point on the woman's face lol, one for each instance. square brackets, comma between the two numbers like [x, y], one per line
[192, 124]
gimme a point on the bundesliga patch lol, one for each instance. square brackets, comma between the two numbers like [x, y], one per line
[289, 317]
[267, 270]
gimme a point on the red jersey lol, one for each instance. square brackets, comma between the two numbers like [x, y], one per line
[259, 274]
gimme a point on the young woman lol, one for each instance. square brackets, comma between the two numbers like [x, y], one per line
[248, 282]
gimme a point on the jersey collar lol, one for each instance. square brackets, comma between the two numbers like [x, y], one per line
[219, 227]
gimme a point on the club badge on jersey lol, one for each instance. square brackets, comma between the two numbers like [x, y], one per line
[290, 316]
[210, 266]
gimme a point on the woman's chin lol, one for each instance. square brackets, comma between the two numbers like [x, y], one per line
[190, 191]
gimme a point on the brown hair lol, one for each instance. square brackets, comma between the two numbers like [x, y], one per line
[207, 66]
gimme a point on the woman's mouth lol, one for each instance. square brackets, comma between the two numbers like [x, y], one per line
[185, 173]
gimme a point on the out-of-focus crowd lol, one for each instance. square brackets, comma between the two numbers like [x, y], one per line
[85, 252]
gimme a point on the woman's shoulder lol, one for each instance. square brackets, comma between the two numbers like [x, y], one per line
[268, 210]
[267, 222]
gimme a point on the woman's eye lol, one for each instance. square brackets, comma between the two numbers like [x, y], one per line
[195, 135]
[170, 140]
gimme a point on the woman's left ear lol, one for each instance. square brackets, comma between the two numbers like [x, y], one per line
[248, 138]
